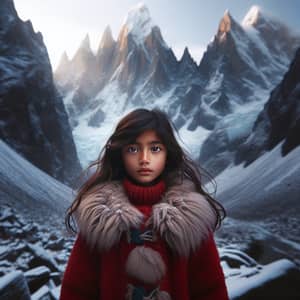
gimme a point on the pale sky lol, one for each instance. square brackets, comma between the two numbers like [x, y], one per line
[192, 23]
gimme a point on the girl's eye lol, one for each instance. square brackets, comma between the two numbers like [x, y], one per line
[155, 149]
[132, 149]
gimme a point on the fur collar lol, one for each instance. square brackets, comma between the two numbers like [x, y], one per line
[183, 218]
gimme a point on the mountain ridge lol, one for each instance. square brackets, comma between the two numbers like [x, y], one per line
[238, 70]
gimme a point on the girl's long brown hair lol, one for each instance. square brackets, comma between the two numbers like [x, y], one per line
[109, 165]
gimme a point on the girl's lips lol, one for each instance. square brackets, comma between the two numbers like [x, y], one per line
[144, 171]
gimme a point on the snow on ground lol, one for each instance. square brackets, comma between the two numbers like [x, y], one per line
[8, 278]
[238, 287]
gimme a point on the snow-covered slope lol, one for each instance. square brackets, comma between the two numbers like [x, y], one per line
[263, 201]
[30, 191]
[236, 74]
[33, 118]
[268, 187]
[33, 238]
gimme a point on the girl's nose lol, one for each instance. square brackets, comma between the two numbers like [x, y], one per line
[144, 158]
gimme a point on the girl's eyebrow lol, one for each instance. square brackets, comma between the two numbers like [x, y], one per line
[150, 143]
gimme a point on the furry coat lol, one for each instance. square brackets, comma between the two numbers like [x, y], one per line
[180, 255]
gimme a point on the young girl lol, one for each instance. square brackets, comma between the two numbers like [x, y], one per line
[145, 223]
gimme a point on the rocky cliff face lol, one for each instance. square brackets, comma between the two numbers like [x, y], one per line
[33, 118]
[279, 120]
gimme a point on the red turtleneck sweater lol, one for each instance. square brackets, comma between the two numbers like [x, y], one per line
[91, 275]
[144, 195]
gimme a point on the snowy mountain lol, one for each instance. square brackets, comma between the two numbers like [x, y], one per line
[33, 118]
[240, 67]
[139, 57]
[244, 63]
[219, 100]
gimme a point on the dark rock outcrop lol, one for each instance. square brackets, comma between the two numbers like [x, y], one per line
[279, 120]
[33, 118]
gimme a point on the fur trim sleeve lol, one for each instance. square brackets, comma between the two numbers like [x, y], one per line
[184, 218]
[104, 214]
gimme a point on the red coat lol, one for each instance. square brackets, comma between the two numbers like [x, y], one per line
[95, 274]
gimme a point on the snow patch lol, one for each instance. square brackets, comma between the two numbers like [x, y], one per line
[138, 22]
[245, 283]
[192, 140]
[252, 16]
[12, 276]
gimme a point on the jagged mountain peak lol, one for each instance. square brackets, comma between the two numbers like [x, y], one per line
[138, 23]
[186, 56]
[64, 58]
[83, 59]
[226, 25]
[62, 68]
[187, 64]
[226, 22]
[84, 50]
[252, 16]
[86, 44]
[257, 17]
[64, 61]
[107, 39]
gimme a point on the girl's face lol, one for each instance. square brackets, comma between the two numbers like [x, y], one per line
[145, 159]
